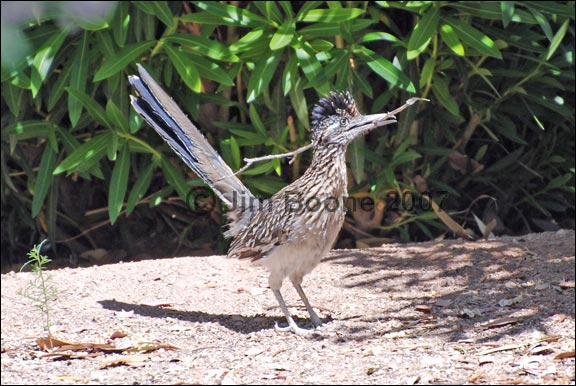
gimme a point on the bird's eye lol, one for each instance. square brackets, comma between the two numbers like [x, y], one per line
[343, 121]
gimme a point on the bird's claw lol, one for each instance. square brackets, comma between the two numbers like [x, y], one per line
[293, 327]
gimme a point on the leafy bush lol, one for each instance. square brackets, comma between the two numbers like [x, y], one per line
[496, 140]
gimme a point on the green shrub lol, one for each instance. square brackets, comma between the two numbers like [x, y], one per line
[500, 125]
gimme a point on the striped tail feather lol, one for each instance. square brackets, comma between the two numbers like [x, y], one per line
[164, 115]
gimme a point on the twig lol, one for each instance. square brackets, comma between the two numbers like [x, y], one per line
[250, 161]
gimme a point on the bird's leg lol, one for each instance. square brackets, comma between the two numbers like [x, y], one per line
[292, 326]
[296, 282]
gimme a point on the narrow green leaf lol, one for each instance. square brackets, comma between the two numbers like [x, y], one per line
[59, 87]
[320, 30]
[140, 187]
[307, 6]
[434, 150]
[235, 151]
[427, 72]
[507, 12]
[311, 67]
[262, 75]
[290, 74]
[219, 100]
[442, 93]
[298, 100]
[375, 36]
[70, 144]
[122, 96]
[507, 127]
[266, 184]
[94, 109]
[451, 39]
[229, 15]
[112, 150]
[283, 36]
[554, 8]
[208, 19]
[321, 46]
[13, 97]
[251, 39]
[337, 65]
[362, 83]
[262, 168]
[490, 10]
[204, 46]
[558, 182]
[43, 60]
[388, 71]
[67, 139]
[90, 19]
[423, 32]
[92, 169]
[135, 121]
[39, 37]
[544, 24]
[566, 111]
[256, 121]
[356, 157]
[122, 59]
[186, 70]
[343, 76]
[226, 151]
[105, 43]
[43, 179]
[18, 79]
[251, 137]
[210, 70]
[506, 161]
[52, 140]
[117, 117]
[405, 157]
[401, 149]
[277, 167]
[27, 129]
[269, 10]
[330, 15]
[118, 183]
[158, 9]
[287, 7]
[52, 209]
[557, 39]
[475, 39]
[120, 23]
[86, 155]
[175, 178]
[78, 77]
[308, 61]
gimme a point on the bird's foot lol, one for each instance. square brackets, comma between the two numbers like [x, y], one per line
[315, 319]
[293, 327]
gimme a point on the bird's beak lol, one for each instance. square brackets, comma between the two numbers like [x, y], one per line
[364, 123]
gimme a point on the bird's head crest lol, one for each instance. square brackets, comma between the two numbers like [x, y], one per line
[336, 104]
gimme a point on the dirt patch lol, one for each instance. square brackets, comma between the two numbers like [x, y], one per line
[499, 311]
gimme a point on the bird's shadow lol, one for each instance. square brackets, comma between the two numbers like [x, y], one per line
[234, 322]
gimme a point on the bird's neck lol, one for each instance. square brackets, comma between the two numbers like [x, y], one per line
[328, 171]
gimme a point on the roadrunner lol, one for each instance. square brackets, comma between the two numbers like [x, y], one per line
[289, 233]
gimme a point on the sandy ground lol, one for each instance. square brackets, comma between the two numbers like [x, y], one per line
[454, 312]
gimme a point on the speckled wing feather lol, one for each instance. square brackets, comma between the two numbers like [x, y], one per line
[264, 232]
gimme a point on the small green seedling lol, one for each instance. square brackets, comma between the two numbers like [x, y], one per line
[40, 289]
